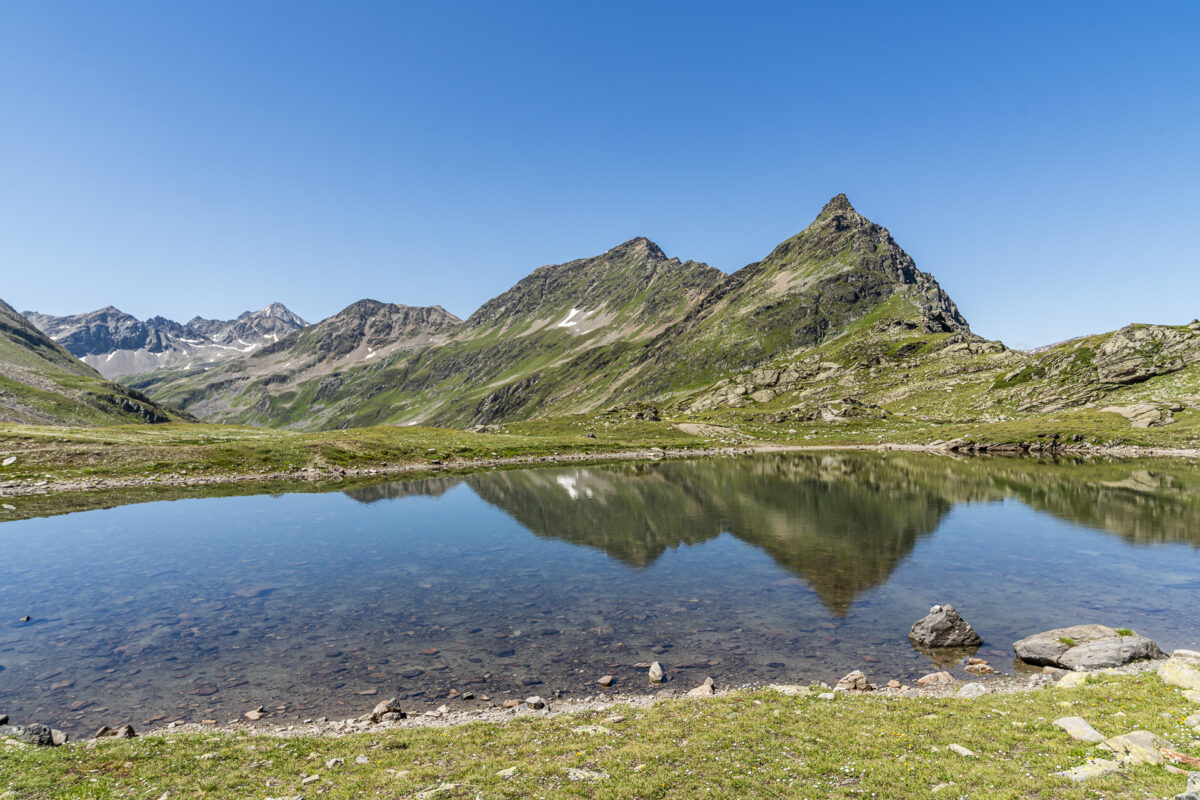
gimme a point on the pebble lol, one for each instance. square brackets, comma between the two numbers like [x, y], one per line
[656, 672]
[605, 680]
[310, 779]
[962, 751]
[333, 763]
[507, 772]
[935, 677]
[255, 713]
[535, 702]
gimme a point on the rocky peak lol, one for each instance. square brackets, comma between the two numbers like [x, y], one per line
[638, 247]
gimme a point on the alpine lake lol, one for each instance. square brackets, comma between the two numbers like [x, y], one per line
[759, 569]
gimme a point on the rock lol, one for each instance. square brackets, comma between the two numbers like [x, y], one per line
[943, 627]
[255, 713]
[436, 790]
[1083, 647]
[585, 775]
[1179, 673]
[1078, 728]
[8, 462]
[854, 681]
[962, 751]
[893, 684]
[935, 678]
[1192, 695]
[615, 719]
[826, 696]
[535, 702]
[309, 779]
[656, 673]
[1072, 680]
[605, 680]
[1137, 747]
[3, 719]
[703, 690]
[362, 760]
[123, 732]
[387, 711]
[980, 669]
[507, 772]
[791, 689]
[970, 691]
[25, 618]
[334, 763]
[40, 735]
[1193, 788]
[8, 506]
[1095, 768]
[511, 703]
[591, 730]
[1191, 656]
[1192, 721]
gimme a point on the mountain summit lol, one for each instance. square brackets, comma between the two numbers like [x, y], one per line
[630, 324]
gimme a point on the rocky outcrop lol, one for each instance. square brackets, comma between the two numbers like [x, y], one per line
[943, 627]
[1085, 647]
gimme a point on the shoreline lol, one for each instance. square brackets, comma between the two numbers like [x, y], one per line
[312, 475]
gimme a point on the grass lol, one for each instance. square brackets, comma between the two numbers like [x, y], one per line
[1067, 640]
[747, 744]
[1125, 632]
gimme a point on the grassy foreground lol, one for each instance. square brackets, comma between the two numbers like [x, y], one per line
[744, 744]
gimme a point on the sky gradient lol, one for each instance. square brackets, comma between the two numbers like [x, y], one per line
[1041, 160]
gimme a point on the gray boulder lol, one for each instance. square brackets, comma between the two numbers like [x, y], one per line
[1085, 647]
[943, 627]
[40, 735]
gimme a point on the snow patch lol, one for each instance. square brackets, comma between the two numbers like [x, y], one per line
[571, 484]
[567, 323]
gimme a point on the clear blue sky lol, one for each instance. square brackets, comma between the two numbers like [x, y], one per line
[1042, 159]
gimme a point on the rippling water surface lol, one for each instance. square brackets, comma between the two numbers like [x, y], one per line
[755, 569]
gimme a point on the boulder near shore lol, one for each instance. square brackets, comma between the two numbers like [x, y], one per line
[943, 627]
[1086, 647]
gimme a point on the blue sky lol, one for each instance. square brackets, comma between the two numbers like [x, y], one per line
[1041, 159]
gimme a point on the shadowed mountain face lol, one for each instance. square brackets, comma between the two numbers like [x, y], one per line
[840, 522]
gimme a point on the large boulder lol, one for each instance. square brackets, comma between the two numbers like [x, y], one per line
[40, 735]
[943, 627]
[1085, 647]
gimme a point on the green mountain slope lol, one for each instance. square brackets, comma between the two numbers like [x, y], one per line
[41, 383]
[627, 325]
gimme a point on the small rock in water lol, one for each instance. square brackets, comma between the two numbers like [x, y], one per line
[656, 672]
[1079, 729]
[935, 677]
[26, 618]
[605, 680]
[255, 713]
[854, 681]
[943, 627]
[1083, 647]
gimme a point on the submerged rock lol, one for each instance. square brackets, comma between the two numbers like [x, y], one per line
[943, 627]
[1085, 647]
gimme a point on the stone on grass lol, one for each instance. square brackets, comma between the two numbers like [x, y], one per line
[1136, 747]
[1079, 728]
[1192, 695]
[854, 681]
[1179, 673]
[1094, 768]
[40, 735]
[943, 627]
[507, 772]
[1072, 680]
[962, 751]
[703, 690]
[935, 678]
[1187, 655]
[1083, 647]
[387, 711]
[970, 691]
[791, 689]
[1193, 788]
[585, 774]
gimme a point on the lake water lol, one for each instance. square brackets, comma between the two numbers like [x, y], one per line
[758, 569]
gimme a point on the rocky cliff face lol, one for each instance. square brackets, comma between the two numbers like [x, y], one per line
[118, 344]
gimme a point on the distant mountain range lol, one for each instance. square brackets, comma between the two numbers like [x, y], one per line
[117, 344]
[43, 384]
[835, 324]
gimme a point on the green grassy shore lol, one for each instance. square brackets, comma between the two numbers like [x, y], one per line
[759, 743]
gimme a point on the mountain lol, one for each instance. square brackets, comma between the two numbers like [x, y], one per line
[42, 384]
[629, 324]
[117, 344]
